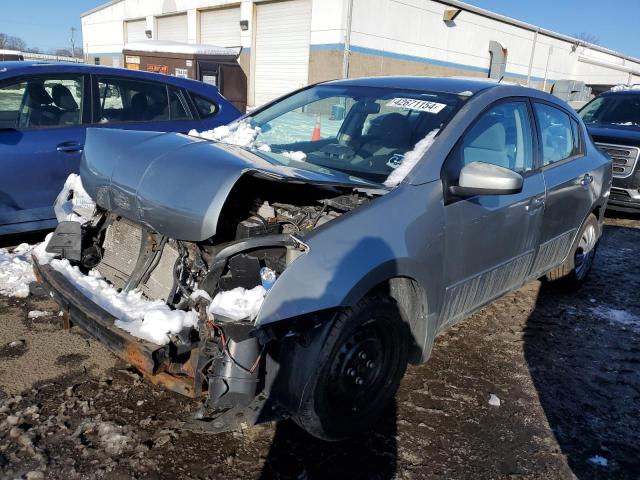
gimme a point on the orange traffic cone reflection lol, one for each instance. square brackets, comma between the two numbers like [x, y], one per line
[315, 136]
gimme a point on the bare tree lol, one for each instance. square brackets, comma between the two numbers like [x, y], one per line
[66, 52]
[587, 37]
[9, 42]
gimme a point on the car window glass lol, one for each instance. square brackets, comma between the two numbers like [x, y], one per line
[206, 108]
[555, 133]
[124, 100]
[177, 108]
[41, 102]
[501, 136]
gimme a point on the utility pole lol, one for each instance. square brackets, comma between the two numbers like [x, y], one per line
[73, 43]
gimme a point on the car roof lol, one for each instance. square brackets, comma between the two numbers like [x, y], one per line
[434, 84]
[16, 68]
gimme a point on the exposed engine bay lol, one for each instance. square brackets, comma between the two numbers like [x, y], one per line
[130, 256]
[261, 226]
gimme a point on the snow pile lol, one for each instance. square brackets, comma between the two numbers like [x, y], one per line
[237, 133]
[238, 303]
[16, 271]
[494, 401]
[73, 203]
[622, 88]
[149, 320]
[613, 315]
[39, 313]
[410, 160]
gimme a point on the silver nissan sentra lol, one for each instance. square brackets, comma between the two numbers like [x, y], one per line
[325, 239]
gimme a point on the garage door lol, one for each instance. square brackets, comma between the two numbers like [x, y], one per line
[282, 48]
[172, 28]
[135, 30]
[220, 27]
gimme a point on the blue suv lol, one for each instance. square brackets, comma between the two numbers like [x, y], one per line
[45, 110]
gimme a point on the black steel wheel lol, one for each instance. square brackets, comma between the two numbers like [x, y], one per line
[358, 372]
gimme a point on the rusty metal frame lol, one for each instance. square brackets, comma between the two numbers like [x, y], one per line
[151, 360]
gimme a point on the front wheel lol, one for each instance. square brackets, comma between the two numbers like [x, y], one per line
[358, 371]
[575, 269]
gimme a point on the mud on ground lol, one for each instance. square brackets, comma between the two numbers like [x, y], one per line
[564, 365]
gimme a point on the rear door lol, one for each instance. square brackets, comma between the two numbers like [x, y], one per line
[569, 179]
[132, 104]
[491, 240]
[42, 132]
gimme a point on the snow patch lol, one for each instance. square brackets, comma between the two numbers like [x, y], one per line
[494, 401]
[238, 303]
[411, 159]
[620, 317]
[39, 313]
[73, 204]
[298, 156]
[599, 460]
[16, 271]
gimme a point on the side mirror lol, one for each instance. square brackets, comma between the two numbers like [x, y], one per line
[479, 178]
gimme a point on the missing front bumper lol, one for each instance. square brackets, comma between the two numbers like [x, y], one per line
[151, 360]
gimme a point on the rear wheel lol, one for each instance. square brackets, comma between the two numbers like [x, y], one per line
[577, 266]
[358, 371]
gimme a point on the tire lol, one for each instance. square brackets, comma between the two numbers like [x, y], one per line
[575, 269]
[357, 372]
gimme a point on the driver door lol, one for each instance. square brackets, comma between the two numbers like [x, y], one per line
[491, 240]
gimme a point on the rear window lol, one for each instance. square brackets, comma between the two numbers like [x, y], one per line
[206, 108]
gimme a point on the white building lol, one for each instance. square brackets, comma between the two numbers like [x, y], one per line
[291, 43]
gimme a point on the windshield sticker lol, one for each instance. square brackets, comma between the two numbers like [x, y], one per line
[395, 161]
[416, 104]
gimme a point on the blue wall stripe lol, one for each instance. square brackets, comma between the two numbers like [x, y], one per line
[413, 58]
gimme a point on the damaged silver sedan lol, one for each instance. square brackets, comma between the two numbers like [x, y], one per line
[297, 260]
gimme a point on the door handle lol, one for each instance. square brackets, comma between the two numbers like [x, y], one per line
[535, 204]
[586, 180]
[70, 147]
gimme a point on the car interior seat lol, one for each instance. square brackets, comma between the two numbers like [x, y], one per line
[64, 100]
[140, 107]
[41, 111]
[389, 134]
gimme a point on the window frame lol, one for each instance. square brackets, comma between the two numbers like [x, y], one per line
[572, 118]
[86, 112]
[96, 100]
[456, 149]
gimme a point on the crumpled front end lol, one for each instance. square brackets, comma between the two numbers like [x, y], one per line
[183, 311]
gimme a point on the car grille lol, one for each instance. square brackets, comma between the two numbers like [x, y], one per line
[624, 158]
[122, 248]
[620, 192]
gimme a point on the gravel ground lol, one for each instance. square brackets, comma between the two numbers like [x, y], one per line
[564, 366]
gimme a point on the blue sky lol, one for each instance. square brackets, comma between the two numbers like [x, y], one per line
[46, 23]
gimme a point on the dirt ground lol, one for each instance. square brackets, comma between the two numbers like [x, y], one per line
[565, 367]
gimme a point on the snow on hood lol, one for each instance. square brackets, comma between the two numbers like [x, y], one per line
[623, 88]
[411, 159]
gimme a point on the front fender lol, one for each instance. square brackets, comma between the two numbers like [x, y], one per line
[351, 255]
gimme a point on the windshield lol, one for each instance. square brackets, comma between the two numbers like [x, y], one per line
[361, 131]
[613, 110]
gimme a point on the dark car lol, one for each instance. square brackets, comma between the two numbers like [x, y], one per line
[296, 274]
[46, 108]
[613, 120]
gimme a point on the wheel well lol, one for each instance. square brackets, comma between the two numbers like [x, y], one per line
[597, 211]
[412, 299]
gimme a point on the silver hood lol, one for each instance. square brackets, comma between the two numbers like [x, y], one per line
[176, 185]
